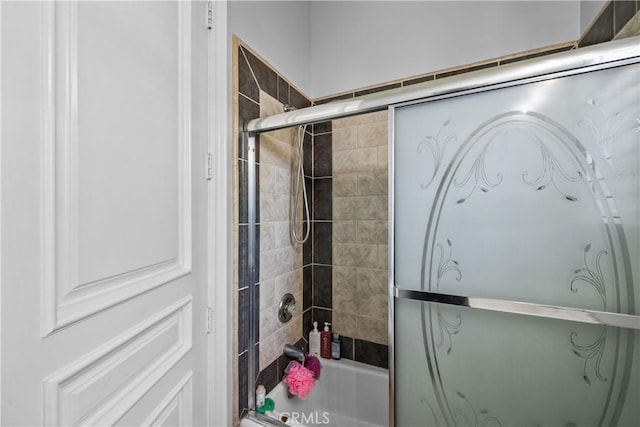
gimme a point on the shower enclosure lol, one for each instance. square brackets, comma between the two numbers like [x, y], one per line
[508, 202]
[514, 247]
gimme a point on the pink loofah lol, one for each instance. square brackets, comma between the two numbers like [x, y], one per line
[299, 379]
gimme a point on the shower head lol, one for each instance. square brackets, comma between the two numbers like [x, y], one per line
[287, 108]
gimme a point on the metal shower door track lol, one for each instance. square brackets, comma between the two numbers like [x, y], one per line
[529, 309]
[627, 50]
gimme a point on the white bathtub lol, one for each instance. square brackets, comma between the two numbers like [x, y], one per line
[347, 394]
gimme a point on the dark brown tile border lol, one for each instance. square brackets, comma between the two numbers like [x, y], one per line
[322, 155]
[377, 89]
[298, 100]
[320, 128]
[612, 18]
[283, 90]
[321, 315]
[418, 80]
[601, 30]
[623, 11]
[322, 286]
[371, 353]
[332, 98]
[267, 78]
[465, 70]
[496, 62]
[536, 55]
[247, 84]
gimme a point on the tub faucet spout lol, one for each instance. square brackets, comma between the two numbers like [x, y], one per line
[293, 352]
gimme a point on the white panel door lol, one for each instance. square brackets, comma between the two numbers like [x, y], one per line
[103, 213]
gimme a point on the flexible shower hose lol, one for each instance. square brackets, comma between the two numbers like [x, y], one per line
[300, 179]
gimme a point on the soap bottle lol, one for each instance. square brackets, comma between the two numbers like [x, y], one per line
[314, 341]
[335, 347]
[260, 396]
[325, 342]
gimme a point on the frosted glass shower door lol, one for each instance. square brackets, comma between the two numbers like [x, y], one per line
[525, 194]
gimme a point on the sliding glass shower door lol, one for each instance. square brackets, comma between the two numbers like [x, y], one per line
[516, 253]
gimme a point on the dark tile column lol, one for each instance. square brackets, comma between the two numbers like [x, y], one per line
[612, 18]
[322, 246]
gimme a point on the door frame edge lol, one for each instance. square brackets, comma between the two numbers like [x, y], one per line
[219, 261]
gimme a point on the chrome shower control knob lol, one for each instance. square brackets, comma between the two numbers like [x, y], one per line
[287, 308]
[291, 308]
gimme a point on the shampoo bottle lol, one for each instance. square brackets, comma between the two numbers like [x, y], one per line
[314, 341]
[260, 396]
[335, 347]
[325, 342]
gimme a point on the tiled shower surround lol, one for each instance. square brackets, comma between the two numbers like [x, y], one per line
[344, 262]
[346, 275]
[340, 275]
[259, 92]
[360, 302]
[280, 259]
[312, 272]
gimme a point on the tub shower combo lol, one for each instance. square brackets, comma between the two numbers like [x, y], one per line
[514, 248]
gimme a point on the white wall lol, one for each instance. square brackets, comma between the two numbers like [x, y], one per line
[327, 47]
[356, 44]
[279, 32]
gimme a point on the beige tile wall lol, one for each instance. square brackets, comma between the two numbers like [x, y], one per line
[360, 170]
[280, 260]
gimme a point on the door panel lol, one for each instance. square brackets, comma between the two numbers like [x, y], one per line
[98, 387]
[521, 196]
[128, 112]
[503, 369]
[103, 299]
[116, 174]
[169, 409]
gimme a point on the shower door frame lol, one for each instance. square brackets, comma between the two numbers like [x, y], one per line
[583, 60]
